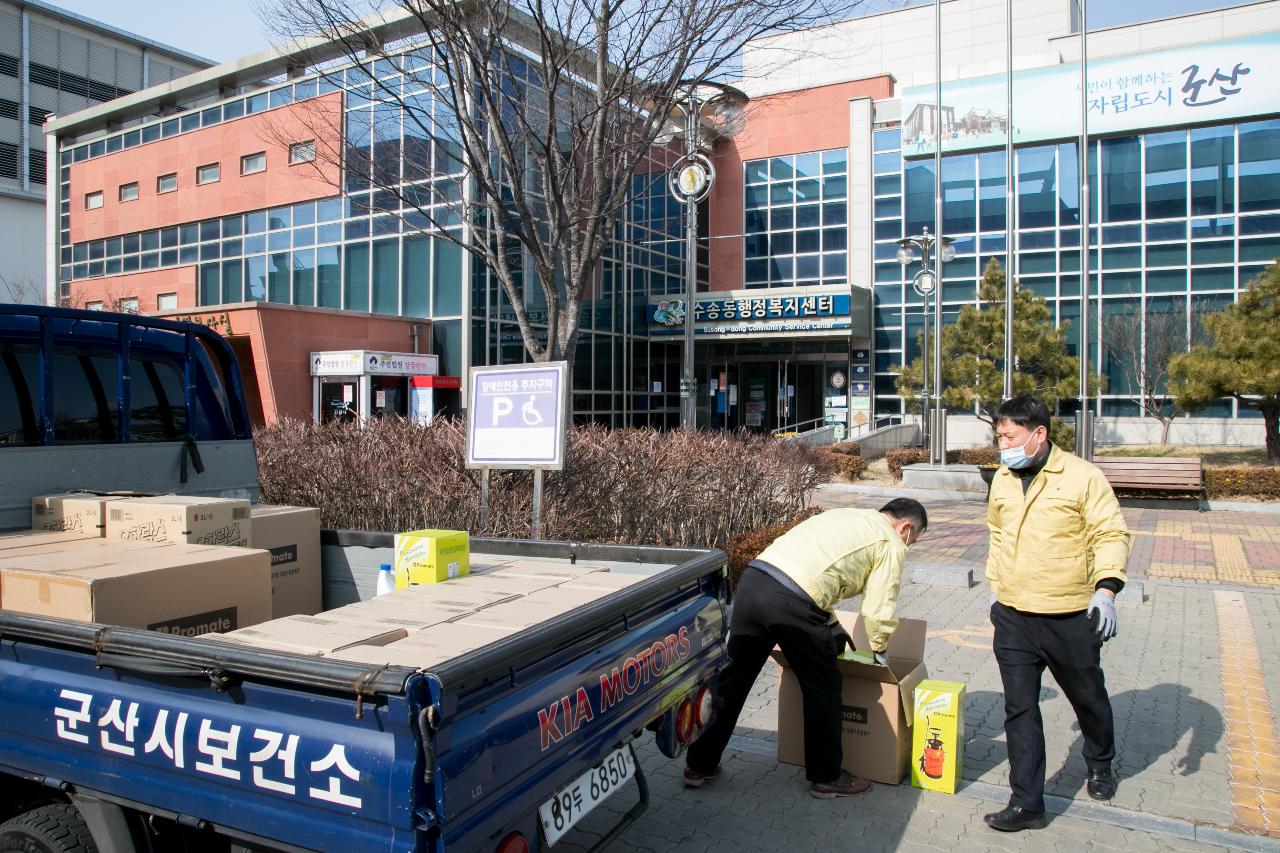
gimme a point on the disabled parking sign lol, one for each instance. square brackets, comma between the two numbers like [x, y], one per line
[516, 417]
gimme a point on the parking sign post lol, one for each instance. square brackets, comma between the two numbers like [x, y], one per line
[516, 421]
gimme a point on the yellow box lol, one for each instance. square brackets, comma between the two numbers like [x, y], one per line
[937, 749]
[431, 556]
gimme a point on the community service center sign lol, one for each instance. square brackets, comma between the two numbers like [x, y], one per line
[516, 416]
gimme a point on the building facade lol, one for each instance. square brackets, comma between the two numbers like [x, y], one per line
[56, 63]
[207, 193]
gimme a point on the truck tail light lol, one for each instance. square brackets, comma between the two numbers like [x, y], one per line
[685, 721]
[513, 843]
[703, 707]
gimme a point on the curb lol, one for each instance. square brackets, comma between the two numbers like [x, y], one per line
[981, 497]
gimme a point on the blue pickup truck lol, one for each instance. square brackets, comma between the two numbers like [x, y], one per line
[119, 739]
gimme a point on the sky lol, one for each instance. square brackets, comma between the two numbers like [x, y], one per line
[222, 30]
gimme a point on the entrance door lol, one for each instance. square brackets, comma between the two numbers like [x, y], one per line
[339, 400]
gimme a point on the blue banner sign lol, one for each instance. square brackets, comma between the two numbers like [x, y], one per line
[753, 315]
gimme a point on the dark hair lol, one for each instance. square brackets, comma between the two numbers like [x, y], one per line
[1025, 411]
[908, 509]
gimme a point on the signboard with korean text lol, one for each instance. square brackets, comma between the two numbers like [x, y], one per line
[746, 313]
[516, 416]
[371, 363]
[1207, 82]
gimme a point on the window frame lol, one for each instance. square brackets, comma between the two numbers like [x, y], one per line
[160, 179]
[308, 145]
[123, 187]
[201, 179]
[90, 197]
[244, 161]
[172, 307]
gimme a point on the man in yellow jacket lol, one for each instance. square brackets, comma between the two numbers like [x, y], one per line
[1058, 550]
[785, 597]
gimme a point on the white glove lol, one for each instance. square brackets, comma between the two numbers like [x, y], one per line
[1104, 604]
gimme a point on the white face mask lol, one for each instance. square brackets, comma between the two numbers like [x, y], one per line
[1017, 457]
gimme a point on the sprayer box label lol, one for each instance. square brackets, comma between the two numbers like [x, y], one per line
[937, 750]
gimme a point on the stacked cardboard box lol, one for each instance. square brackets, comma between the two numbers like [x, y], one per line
[422, 625]
[291, 535]
[180, 520]
[76, 515]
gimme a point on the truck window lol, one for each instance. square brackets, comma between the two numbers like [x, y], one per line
[85, 405]
[19, 383]
[157, 410]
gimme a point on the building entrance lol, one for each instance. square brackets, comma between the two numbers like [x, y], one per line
[767, 386]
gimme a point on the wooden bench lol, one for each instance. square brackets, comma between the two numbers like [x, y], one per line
[1153, 473]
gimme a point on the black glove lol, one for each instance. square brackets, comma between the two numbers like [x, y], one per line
[843, 640]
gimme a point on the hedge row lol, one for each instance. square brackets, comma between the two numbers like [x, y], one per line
[1242, 482]
[680, 488]
[746, 546]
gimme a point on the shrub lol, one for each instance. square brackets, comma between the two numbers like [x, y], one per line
[746, 546]
[846, 448]
[1063, 434]
[895, 459]
[974, 456]
[850, 467]
[641, 486]
[1242, 482]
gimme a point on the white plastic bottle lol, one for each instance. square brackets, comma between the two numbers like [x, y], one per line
[386, 581]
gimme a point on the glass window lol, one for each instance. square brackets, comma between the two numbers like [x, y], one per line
[213, 115]
[304, 277]
[1069, 184]
[919, 196]
[991, 191]
[447, 279]
[251, 164]
[328, 277]
[356, 277]
[1164, 281]
[210, 285]
[302, 153]
[208, 173]
[757, 171]
[1037, 193]
[959, 194]
[232, 281]
[887, 184]
[255, 278]
[1213, 170]
[416, 277]
[93, 200]
[157, 403]
[1166, 178]
[386, 277]
[129, 192]
[256, 222]
[232, 109]
[1260, 165]
[1121, 171]
[886, 140]
[278, 278]
[85, 407]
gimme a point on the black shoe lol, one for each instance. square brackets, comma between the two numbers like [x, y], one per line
[1102, 784]
[1015, 819]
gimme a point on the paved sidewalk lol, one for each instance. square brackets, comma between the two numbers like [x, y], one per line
[1199, 764]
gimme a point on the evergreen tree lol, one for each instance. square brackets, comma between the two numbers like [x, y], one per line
[1241, 358]
[973, 353]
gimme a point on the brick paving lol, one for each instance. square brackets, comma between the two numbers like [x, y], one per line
[1194, 677]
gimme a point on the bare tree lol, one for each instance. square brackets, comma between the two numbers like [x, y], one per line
[21, 290]
[1141, 344]
[525, 122]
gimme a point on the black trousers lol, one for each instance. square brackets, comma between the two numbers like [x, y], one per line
[766, 613]
[1068, 646]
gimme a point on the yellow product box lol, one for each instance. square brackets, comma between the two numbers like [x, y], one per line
[431, 556]
[937, 750]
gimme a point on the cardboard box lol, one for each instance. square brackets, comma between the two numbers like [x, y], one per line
[418, 657]
[291, 534]
[937, 751]
[32, 538]
[180, 519]
[431, 556]
[75, 514]
[450, 595]
[452, 639]
[315, 635]
[876, 704]
[566, 597]
[410, 619]
[177, 589]
[538, 570]
[514, 615]
[608, 581]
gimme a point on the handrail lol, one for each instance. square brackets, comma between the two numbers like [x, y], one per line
[793, 428]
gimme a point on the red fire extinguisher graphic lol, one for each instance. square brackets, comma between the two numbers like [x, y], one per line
[934, 758]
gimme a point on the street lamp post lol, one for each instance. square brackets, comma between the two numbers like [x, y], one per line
[691, 181]
[925, 283]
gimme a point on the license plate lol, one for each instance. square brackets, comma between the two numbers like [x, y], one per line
[576, 800]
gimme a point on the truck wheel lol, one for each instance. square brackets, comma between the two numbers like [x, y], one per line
[48, 829]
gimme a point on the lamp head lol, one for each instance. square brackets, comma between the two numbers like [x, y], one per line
[906, 252]
[948, 250]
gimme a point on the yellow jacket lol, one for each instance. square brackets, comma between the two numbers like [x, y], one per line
[1050, 546]
[842, 553]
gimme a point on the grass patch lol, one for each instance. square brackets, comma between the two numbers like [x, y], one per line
[1211, 454]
